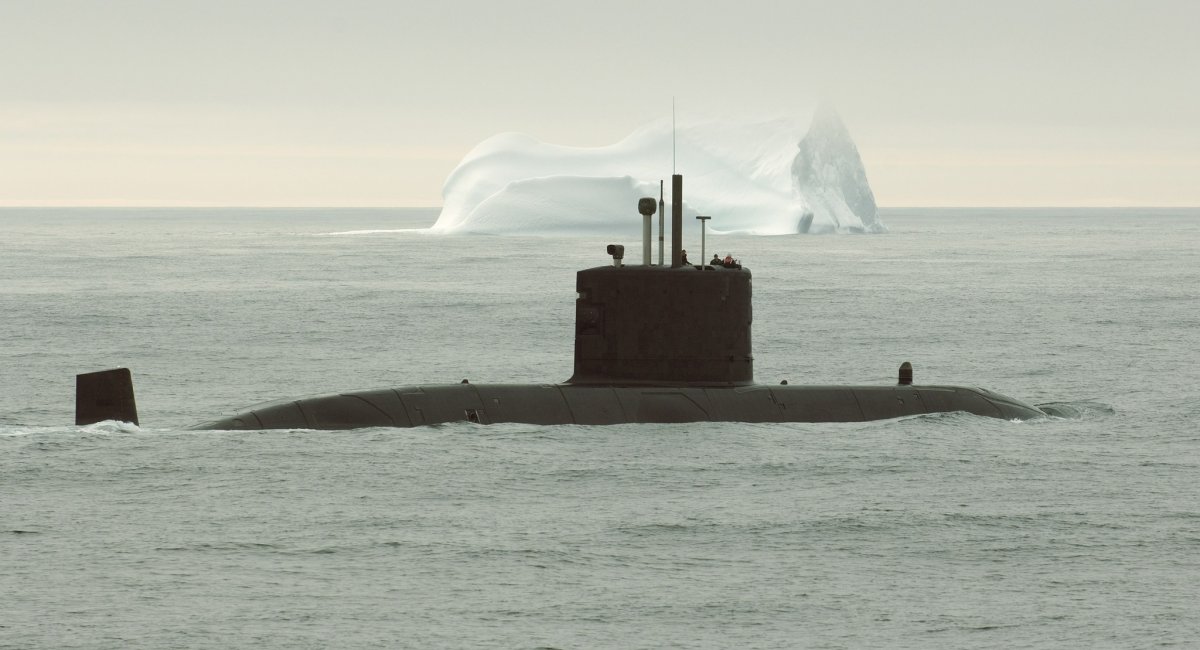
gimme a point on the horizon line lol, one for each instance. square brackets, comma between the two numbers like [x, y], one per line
[233, 206]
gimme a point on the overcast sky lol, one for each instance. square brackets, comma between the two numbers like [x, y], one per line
[372, 102]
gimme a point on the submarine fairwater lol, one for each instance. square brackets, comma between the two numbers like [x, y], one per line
[642, 354]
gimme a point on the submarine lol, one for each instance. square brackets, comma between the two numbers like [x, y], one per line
[653, 344]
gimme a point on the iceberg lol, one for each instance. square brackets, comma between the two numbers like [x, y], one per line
[771, 177]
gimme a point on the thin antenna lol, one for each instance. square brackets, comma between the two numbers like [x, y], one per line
[672, 135]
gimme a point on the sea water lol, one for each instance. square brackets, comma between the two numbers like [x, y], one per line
[940, 531]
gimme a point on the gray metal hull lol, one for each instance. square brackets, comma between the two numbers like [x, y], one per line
[415, 406]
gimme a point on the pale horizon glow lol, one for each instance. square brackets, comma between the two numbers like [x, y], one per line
[370, 103]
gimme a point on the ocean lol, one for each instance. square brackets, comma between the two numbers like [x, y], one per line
[939, 531]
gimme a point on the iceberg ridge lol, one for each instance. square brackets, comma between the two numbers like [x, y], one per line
[765, 178]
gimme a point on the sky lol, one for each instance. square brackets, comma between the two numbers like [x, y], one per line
[373, 102]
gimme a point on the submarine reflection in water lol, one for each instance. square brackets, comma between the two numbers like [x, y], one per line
[641, 355]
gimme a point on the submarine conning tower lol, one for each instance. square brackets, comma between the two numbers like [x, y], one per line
[682, 325]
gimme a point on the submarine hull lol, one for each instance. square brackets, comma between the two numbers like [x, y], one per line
[550, 404]
[653, 344]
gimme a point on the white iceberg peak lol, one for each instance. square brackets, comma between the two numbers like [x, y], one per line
[766, 177]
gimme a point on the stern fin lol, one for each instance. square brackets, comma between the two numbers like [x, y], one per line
[105, 395]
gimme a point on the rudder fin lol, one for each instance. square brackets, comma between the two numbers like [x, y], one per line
[105, 395]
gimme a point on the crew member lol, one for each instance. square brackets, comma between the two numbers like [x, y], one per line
[728, 259]
[683, 257]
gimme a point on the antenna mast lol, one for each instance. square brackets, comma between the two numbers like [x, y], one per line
[662, 209]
